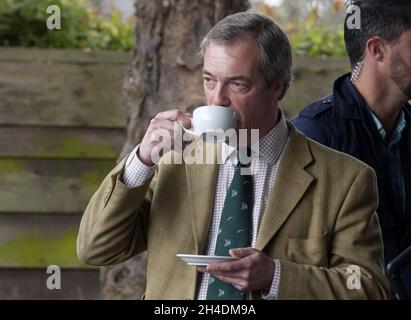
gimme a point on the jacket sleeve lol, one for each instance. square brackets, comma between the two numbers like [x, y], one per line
[114, 225]
[355, 268]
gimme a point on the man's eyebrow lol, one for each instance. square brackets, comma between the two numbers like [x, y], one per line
[241, 78]
[208, 73]
[233, 78]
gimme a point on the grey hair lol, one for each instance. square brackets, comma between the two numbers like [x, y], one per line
[275, 59]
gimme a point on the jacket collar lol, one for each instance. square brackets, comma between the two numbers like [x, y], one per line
[346, 100]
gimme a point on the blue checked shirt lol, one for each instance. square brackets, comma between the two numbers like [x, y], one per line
[394, 166]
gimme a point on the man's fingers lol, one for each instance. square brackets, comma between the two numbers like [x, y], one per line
[163, 134]
[235, 282]
[162, 123]
[160, 135]
[185, 120]
[176, 115]
[201, 269]
[232, 266]
[224, 278]
[242, 252]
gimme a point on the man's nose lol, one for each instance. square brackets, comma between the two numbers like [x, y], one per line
[220, 96]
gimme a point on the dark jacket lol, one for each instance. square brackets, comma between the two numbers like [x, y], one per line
[342, 121]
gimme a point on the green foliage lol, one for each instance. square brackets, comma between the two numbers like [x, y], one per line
[23, 23]
[311, 34]
[316, 39]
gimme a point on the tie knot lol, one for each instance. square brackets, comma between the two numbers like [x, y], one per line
[244, 157]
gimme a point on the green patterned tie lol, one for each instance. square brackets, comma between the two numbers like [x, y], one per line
[234, 232]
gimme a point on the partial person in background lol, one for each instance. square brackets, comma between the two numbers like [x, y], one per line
[368, 115]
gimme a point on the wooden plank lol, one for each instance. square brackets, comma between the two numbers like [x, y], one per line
[62, 95]
[39, 240]
[42, 186]
[64, 56]
[313, 79]
[31, 285]
[320, 64]
[60, 142]
[84, 89]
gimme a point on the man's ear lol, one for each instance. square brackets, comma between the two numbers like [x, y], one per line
[376, 49]
[278, 89]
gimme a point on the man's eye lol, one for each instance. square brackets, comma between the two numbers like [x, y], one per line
[238, 85]
[209, 82]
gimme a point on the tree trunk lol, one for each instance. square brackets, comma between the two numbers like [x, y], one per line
[165, 74]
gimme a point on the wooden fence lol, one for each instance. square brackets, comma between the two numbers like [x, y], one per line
[62, 125]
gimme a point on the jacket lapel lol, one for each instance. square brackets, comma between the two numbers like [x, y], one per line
[201, 181]
[289, 187]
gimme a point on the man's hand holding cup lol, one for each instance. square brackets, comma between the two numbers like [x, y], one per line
[165, 130]
[163, 134]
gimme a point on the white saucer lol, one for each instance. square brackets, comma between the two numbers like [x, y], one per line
[200, 260]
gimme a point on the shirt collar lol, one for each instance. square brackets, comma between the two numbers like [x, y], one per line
[270, 147]
[397, 133]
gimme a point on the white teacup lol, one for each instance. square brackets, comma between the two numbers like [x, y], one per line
[212, 121]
